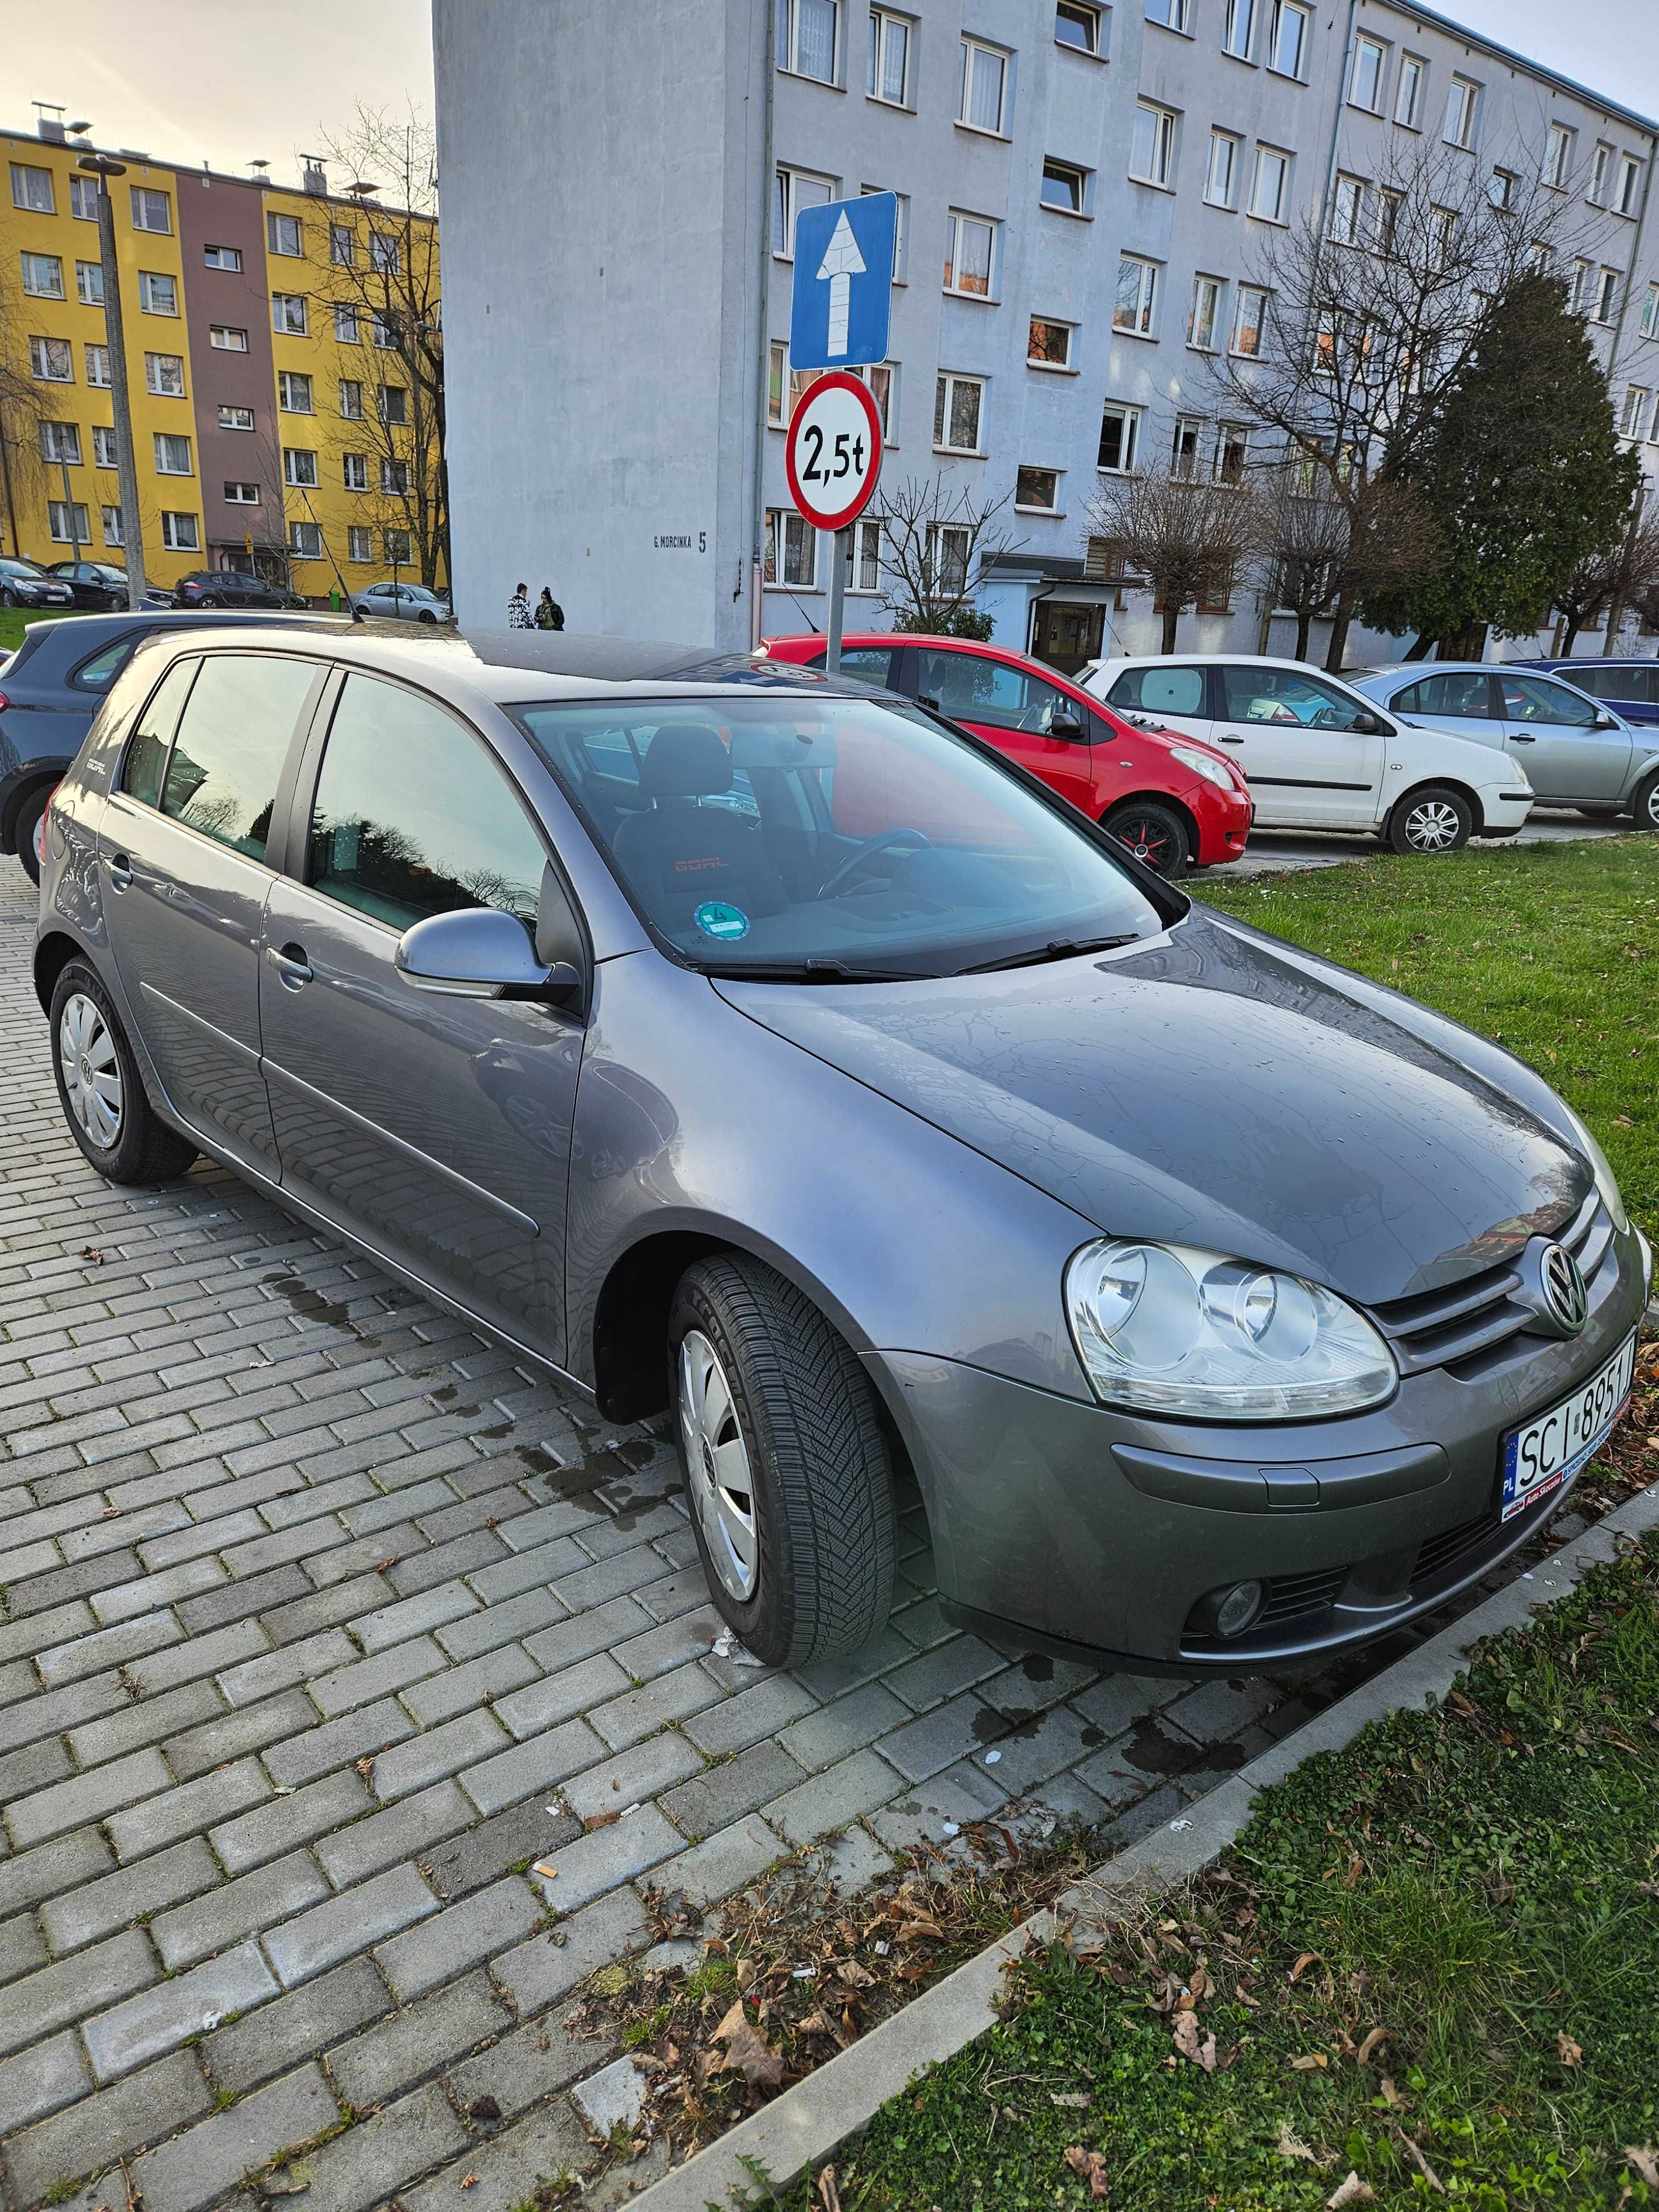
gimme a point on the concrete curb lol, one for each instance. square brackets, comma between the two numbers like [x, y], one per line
[804, 2126]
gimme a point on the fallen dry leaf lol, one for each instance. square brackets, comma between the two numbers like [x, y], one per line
[1192, 2043]
[1089, 2165]
[1572, 2053]
[600, 1820]
[1291, 2144]
[92, 1255]
[1391, 2096]
[1315, 2062]
[1302, 1964]
[745, 1973]
[816, 2023]
[469, 2181]
[747, 2051]
[1378, 2035]
[856, 1976]
[1646, 2162]
[828, 2195]
[1352, 2190]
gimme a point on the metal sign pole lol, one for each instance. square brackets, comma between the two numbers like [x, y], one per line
[838, 543]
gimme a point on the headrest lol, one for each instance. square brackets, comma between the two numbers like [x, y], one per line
[686, 760]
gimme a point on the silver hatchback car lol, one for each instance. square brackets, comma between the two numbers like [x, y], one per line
[762, 1049]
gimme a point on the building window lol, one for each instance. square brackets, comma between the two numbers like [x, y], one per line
[949, 547]
[1606, 297]
[889, 72]
[791, 191]
[68, 522]
[385, 256]
[1578, 294]
[863, 569]
[172, 454]
[1651, 312]
[222, 257]
[786, 385]
[351, 399]
[394, 476]
[158, 294]
[300, 467]
[1601, 169]
[287, 314]
[398, 547]
[304, 540]
[293, 393]
[1462, 98]
[1239, 29]
[112, 520]
[1172, 14]
[1050, 345]
[1080, 26]
[227, 338]
[31, 188]
[359, 543]
[1558, 156]
[900, 226]
[382, 329]
[1183, 448]
[346, 331]
[89, 284]
[958, 413]
[984, 88]
[1630, 187]
[1037, 491]
[1408, 99]
[341, 244]
[968, 240]
[181, 533]
[1221, 178]
[83, 198]
[151, 210]
[164, 375]
[881, 378]
[1232, 453]
[43, 276]
[1500, 189]
[791, 550]
[51, 361]
[1631, 415]
[1289, 44]
[60, 442]
[1365, 79]
[1270, 194]
[103, 446]
[1249, 322]
[1348, 211]
[1120, 440]
[809, 38]
[97, 358]
[1064, 186]
[282, 234]
[354, 467]
[392, 404]
[1204, 322]
[1134, 306]
[242, 494]
[1152, 147]
[235, 418]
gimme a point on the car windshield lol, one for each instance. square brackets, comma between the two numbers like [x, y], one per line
[832, 838]
[16, 568]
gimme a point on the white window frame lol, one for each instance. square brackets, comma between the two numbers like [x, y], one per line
[1066, 367]
[294, 460]
[239, 492]
[103, 446]
[279, 229]
[1600, 172]
[1156, 123]
[952, 270]
[1241, 321]
[1558, 155]
[228, 415]
[1285, 14]
[360, 543]
[1171, 15]
[901, 228]
[394, 477]
[382, 392]
[976, 51]
[304, 540]
[27, 183]
[111, 518]
[141, 199]
[342, 246]
[399, 547]
[1206, 315]
[1376, 51]
[60, 442]
[58, 523]
[1137, 318]
[157, 284]
[354, 471]
[222, 257]
[89, 284]
[1408, 92]
[1462, 111]
[97, 366]
[1230, 142]
[282, 306]
[1649, 324]
[889, 27]
[1184, 441]
[863, 562]
[788, 37]
[1231, 437]
[949, 549]
[1080, 212]
[1031, 468]
[42, 353]
[83, 198]
[1500, 189]
[33, 265]
[386, 253]
[1097, 19]
[1348, 196]
[227, 337]
[1629, 202]
[291, 398]
[883, 379]
[1633, 414]
[781, 534]
[945, 407]
[1604, 301]
[166, 445]
[158, 369]
[180, 532]
[786, 177]
[1264, 155]
[349, 413]
[347, 323]
[1239, 29]
[1130, 420]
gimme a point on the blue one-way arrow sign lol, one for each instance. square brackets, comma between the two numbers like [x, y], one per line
[838, 312]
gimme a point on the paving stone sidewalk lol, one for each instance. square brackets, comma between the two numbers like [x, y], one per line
[324, 1618]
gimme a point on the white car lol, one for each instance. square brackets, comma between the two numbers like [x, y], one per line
[1317, 755]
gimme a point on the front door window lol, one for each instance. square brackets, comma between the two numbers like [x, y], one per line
[1301, 744]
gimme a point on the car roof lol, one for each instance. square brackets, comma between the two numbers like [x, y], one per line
[1214, 660]
[77, 637]
[986, 648]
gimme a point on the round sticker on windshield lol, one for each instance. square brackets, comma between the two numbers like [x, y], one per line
[716, 919]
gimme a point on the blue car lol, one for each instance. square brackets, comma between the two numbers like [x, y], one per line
[1631, 686]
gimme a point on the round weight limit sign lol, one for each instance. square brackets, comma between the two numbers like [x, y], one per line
[833, 451]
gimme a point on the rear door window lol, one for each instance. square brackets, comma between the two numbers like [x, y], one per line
[1160, 691]
[1636, 685]
[1465, 695]
[146, 761]
[232, 742]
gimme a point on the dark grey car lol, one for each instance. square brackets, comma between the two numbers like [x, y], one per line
[745, 1044]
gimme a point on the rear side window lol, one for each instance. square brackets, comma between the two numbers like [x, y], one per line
[1615, 684]
[147, 749]
[412, 816]
[1160, 690]
[101, 670]
[1467, 695]
[870, 664]
[227, 757]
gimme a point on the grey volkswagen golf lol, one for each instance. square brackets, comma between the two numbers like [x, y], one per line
[763, 1050]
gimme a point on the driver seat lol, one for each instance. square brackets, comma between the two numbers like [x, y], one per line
[683, 852]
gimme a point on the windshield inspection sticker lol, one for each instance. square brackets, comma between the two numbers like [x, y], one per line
[716, 919]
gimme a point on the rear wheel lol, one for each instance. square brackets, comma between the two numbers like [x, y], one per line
[100, 1091]
[1434, 820]
[1156, 834]
[1645, 804]
[786, 1468]
[31, 832]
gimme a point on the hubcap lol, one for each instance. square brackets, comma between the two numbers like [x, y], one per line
[92, 1072]
[1433, 827]
[717, 1465]
[1651, 810]
[1144, 842]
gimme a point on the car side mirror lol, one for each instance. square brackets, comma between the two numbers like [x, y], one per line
[1605, 722]
[1366, 725]
[1065, 725]
[481, 953]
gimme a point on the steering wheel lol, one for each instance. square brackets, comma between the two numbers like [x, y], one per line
[856, 859]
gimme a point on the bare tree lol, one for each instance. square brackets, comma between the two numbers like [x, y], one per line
[25, 403]
[1185, 534]
[387, 292]
[1318, 552]
[938, 543]
[1623, 574]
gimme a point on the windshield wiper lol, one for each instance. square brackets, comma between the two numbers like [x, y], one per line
[816, 969]
[1062, 948]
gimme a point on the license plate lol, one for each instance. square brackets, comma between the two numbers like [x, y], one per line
[1550, 1450]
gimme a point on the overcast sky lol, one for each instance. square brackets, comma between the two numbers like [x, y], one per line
[211, 80]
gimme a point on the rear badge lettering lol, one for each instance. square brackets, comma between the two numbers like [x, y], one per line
[716, 919]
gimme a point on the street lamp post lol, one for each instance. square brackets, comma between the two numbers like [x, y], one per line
[103, 167]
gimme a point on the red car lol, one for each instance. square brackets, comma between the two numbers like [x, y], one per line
[1176, 804]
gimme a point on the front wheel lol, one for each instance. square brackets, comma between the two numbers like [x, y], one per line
[786, 1468]
[1645, 804]
[1432, 821]
[1156, 834]
[100, 1091]
[426, 615]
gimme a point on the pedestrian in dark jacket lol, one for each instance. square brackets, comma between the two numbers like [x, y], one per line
[550, 614]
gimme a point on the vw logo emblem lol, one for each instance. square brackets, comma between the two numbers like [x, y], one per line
[1564, 1289]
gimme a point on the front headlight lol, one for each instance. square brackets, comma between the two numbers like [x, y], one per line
[1171, 1329]
[1212, 770]
[1606, 1182]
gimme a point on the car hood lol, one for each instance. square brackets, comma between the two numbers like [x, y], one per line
[1211, 1089]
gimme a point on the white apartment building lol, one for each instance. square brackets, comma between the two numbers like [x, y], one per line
[1086, 192]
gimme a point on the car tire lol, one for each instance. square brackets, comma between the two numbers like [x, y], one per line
[1156, 834]
[426, 615]
[8, 598]
[30, 815]
[1433, 821]
[109, 1114]
[798, 1540]
[1644, 806]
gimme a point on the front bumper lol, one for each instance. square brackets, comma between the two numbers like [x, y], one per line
[1224, 823]
[1081, 1528]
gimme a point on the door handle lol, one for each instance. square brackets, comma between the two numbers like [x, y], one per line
[120, 871]
[1520, 737]
[1232, 741]
[293, 969]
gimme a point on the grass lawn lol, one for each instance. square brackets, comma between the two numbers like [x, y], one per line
[14, 621]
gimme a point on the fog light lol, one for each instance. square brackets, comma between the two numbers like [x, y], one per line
[1236, 1608]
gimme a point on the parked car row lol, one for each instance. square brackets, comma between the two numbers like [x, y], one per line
[101, 587]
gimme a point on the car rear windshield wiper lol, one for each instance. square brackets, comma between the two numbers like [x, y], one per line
[1061, 948]
[817, 970]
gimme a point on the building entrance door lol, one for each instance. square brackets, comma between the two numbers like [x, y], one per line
[1066, 635]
